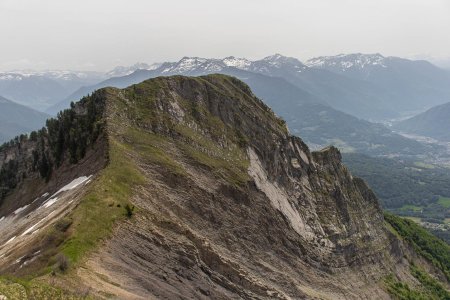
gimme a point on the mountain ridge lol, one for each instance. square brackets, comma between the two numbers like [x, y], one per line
[229, 204]
[432, 123]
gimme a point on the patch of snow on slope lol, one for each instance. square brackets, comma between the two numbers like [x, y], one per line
[20, 209]
[50, 202]
[73, 184]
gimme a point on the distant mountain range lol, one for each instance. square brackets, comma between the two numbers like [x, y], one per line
[434, 123]
[368, 86]
[372, 87]
[404, 84]
[16, 119]
[307, 115]
[326, 100]
[123, 71]
[39, 90]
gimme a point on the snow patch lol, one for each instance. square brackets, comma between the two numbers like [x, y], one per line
[20, 209]
[73, 184]
[49, 202]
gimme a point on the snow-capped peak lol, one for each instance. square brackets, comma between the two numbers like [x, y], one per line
[344, 62]
[193, 64]
[190, 63]
[277, 60]
[198, 64]
[275, 57]
[236, 62]
[123, 71]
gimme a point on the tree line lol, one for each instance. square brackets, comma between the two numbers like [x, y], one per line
[64, 138]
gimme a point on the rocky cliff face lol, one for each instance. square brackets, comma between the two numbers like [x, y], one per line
[238, 208]
[230, 205]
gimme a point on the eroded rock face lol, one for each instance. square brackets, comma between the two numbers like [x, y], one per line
[295, 225]
[231, 206]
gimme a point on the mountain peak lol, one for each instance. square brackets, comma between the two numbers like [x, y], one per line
[237, 62]
[344, 62]
[124, 71]
[277, 60]
[280, 58]
[274, 57]
[192, 58]
[192, 64]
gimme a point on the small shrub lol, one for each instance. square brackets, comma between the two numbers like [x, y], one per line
[129, 210]
[62, 262]
[63, 224]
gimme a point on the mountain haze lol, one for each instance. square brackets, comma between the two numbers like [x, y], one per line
[39, 90]
[434, 123]
[409, 85]
[16, 119]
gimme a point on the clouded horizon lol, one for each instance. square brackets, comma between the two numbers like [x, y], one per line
[101, 34]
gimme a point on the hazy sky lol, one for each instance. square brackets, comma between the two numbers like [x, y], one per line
[101, 34]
